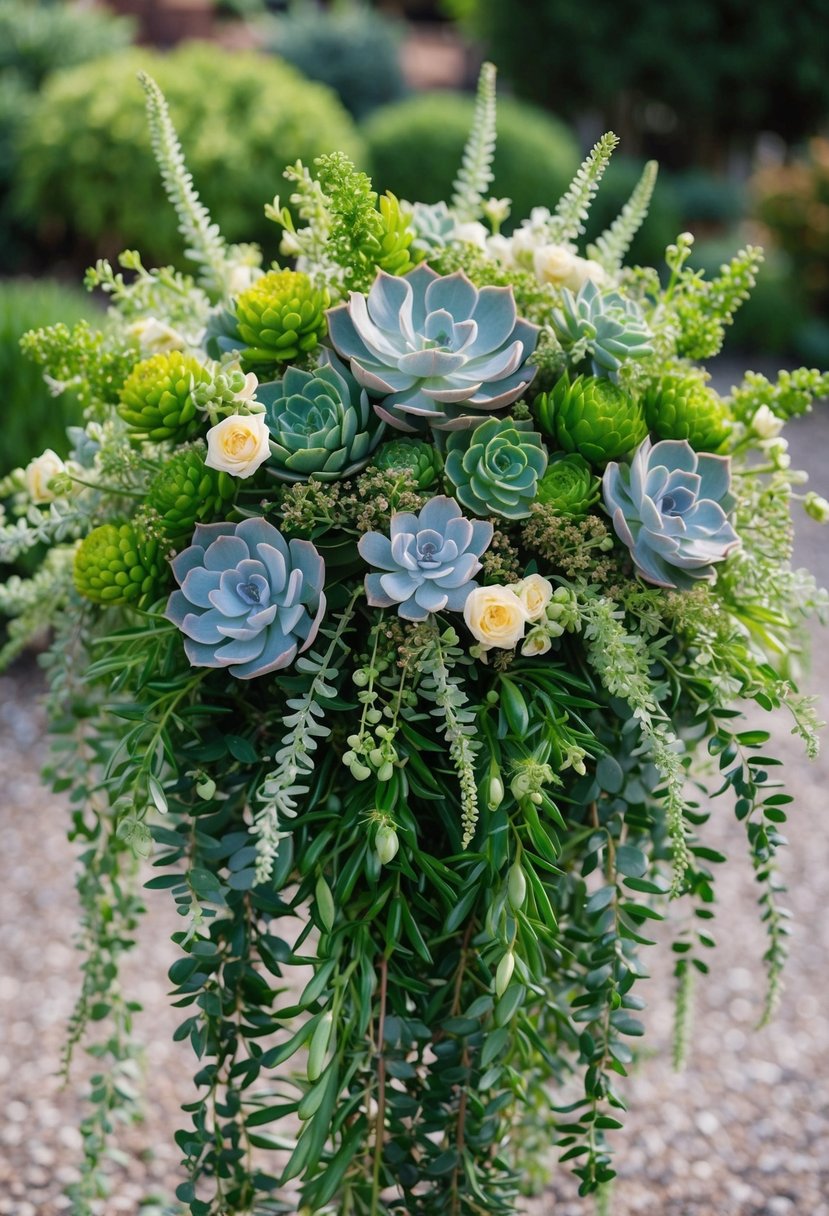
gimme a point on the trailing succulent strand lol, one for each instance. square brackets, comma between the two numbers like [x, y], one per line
[610, 248]
[475, 175]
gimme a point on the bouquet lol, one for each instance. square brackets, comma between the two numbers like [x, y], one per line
[407, 599]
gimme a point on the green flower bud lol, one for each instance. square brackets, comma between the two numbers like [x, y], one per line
[419, 459]
[325, 904]
[117, 565]
[280, 317]
[206, 788]
[156, 400]
[496, 792]
[569, 486]
[817, 507]
[386, 843]
[516, 886]
[683, 407]
[591, 416]
[504, 973]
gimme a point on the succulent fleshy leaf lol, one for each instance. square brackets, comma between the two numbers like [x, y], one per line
[156, 399]
[603, 324]
[495, 467]
[429, 561]
[321, 423]
[684, 407]
[437, 350]
[569, 486]
[117, 564]
[185, 492]
[420, 460]
[279, 317]
[249, 600]
[670, 507]
[592, 416]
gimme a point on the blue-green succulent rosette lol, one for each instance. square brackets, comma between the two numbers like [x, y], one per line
[249, 601]
[439, 351]
[429, 560]
[670, 507]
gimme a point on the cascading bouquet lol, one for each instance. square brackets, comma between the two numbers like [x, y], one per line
[394, 596]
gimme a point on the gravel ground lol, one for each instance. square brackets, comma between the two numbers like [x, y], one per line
[744, 1131]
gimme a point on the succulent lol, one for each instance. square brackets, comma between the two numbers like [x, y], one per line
[116, 564]
[602, 324]
[683, 407]
[592, 416]
[279, 317]
[156, 399]
[495, 468]
[439, 351]
[670, 507]
[421, 460]
[430, 560]
[569, 487]
[434, 225]
[321, 423]
[185, 492]
[249, 600]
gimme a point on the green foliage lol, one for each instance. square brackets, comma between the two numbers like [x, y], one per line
[417, 145]
[352, 49]
[34, 418]
[87, 171]
[573, 208]
[612, 245]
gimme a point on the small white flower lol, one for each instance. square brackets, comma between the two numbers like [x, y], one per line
[766, 424]
[39, 472]
[537, 642]
[156, 337]
[497, 210]
[238, 444]
[472, 233]
[499, 247]
[241, 277]
[816, 506]
[535, 593]
[562, 267]
[249, 391]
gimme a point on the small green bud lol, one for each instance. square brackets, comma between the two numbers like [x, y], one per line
[319, 1046]
[516, 886]
[325, 904]
[504, 973]
[817, 507]
[386, 843]
[206, 788]
[496, 792]
[385, 771]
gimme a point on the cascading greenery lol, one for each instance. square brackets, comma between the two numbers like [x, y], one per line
[414, 737]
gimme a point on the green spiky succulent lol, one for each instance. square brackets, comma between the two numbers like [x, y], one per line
[683, 407]
[592, 416]
[495, 467]
[279, 318]
[569, 487]
[156, 400]
[422, 460]
[185, 492]
[117, 564]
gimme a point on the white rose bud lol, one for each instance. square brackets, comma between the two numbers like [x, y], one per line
[39, 472]
[535, 593]
[238, 444]
[156, 337]
[249, 391]
[504, 973]
[472, 233]
[500, 248]
[766, 424]
[386, 843]
[495, 617]
[562, 267]
[241, 277]
[537, 642]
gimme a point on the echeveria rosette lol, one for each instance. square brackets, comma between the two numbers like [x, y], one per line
[670, 507]
[429, 561]
[569, 486]
[321, 423]
[413, 457]
[438, 351]
[249, 600]
[592, 416]
[495, 468]
[608, 326]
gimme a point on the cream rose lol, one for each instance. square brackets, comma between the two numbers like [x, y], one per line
[766, 424]
[535, 593]
[561, 267]
[537, 642]
[156, 338]
[495, 616]
[471, 233]
[39, 472]
[238, 444]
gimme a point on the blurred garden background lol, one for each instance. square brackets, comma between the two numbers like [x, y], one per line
[731, 96]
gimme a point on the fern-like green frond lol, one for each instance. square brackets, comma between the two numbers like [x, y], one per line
[610, 248]
[205, 244]
[573, 208]
[475, 175]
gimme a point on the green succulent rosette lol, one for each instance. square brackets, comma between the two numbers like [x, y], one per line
[116, 564]
[321, 423]
[156, 400]
[569, 486]
[280, 317]
[683, 407]
[592, 416]
[495, 468]
[421, 460]
[185, 492]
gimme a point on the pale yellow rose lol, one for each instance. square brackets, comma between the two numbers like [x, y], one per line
[535, 593]
[238, 444]
[39, 472]
[536, 642]
[155, 337]
[562, 267]
[495, 617]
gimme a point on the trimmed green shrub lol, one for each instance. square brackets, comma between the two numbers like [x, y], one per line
[88, 173]
[32, 418]
[416, 146]
[352, 49]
